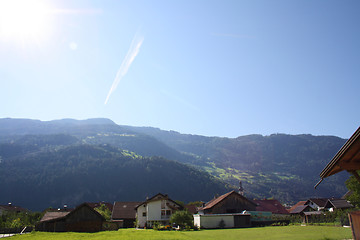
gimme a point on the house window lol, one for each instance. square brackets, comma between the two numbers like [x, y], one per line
[165, 214]
[144, 214]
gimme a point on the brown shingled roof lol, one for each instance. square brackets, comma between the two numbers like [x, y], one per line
[54, 215]
[12, 208]
[124, 210]
[318, 201]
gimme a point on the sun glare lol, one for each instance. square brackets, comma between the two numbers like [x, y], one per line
[23, 19]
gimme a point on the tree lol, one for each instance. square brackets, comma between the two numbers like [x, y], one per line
[182, 218]
[354, 186]
[104, 211]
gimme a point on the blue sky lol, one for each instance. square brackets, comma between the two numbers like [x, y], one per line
[214, 68]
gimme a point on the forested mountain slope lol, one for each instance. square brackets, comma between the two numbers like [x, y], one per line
[40, 178]
[282, 166]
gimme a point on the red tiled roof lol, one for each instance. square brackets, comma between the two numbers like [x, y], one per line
[270, 205]
[124, 210]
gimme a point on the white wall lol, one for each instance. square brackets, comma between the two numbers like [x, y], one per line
[212, 221]
[154, 211]
[140, 218]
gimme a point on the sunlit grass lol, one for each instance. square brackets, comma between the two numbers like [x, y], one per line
[286, 232]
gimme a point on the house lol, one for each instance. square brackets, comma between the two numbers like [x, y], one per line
[231, 202]
[333, 203]
[82, 219]
[124, 213]
[225, 211]
[317, 203]
[158, 208]
[301, 209]
[300, 203]
[271, 205]
[305, 212]
[11, 208]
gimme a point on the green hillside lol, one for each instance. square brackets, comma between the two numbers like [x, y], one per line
[282, 166]
[51, 177]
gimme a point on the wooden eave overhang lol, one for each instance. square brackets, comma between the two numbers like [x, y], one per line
[347, 158]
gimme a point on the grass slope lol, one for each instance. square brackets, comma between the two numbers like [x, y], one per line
[287, 232]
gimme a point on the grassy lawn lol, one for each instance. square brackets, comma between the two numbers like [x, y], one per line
[287, 232]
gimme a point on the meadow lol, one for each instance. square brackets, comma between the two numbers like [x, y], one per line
[278, 233]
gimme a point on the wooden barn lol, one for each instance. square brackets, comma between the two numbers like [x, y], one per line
[82, 219]
[226, 211]
[231, 202]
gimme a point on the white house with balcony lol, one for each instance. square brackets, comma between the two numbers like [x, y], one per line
[156, 209]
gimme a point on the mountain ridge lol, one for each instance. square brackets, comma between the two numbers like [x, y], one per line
[268, 166]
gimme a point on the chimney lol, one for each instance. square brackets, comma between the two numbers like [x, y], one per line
[241, 189]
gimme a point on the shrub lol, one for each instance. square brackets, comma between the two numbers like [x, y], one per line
[182, 218]
[156, 226]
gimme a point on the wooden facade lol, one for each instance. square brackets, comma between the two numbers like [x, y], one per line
[231, 202]
[82, 219]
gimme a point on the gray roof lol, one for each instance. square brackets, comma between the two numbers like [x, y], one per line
[300, 209]
[54, 215]
[338, 203]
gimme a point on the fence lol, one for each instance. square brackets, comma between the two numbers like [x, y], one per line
[15, 230]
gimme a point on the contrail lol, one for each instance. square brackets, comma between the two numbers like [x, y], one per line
[125, 65]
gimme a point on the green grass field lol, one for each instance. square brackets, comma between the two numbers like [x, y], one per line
[286, 232]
